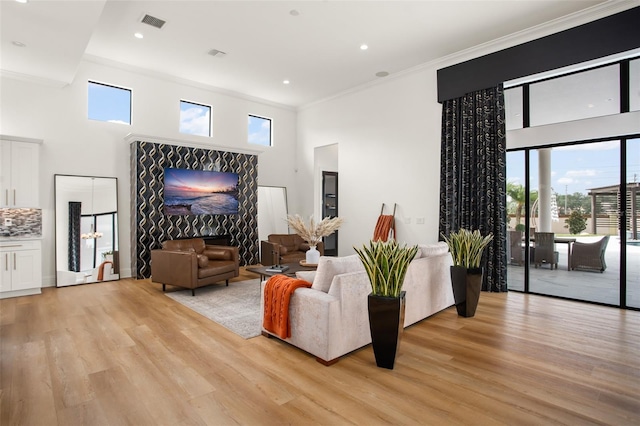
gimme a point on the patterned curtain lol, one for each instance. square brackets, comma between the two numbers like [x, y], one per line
[472, 177]
[75, 211]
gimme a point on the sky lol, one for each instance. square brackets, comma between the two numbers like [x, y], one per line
[107, 103]
[578, 168]
[259, 131]
[198, 180]
[113, 104]
[195, 119]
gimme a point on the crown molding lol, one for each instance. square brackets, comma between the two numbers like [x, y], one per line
[21, 139]
[542, 30]
[575, 19]
[42, 81]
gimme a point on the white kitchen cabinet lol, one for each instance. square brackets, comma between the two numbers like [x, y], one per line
[20, 268]
[19, 173]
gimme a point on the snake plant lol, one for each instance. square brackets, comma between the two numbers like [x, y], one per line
[466, 247]
[386, 264]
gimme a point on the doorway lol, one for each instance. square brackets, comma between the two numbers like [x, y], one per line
[330, 209]
[584, 194]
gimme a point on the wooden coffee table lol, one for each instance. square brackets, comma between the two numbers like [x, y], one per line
[291, 272]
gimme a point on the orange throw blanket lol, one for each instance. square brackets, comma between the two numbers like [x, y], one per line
[277, 294]
[386, 224]
[101, 269]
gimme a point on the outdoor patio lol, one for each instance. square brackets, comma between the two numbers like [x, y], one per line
[584, 285]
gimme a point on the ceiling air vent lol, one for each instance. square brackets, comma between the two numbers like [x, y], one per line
[153, 21]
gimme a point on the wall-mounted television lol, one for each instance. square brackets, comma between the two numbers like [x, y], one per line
[196, 192]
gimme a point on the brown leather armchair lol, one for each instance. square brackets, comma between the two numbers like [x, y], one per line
[285, 248]
[191, 264]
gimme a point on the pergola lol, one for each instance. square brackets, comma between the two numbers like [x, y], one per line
[632, 205]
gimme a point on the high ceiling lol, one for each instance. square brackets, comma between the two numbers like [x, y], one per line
[315, 45]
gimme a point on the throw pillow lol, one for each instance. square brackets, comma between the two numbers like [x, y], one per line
[306, 275]
[217, 254]
[329, 266]
[203, 261]
[427, 250]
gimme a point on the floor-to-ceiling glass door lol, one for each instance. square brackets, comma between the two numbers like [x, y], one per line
[575, 194]
[633, 224]
[573, 177]
[517, 219]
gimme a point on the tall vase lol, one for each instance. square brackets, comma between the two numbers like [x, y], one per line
[467, 284]
[313, 256]
[386, 322]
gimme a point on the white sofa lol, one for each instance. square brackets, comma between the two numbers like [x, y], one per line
[331, 318]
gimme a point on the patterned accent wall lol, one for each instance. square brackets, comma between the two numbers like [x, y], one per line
[150, 226]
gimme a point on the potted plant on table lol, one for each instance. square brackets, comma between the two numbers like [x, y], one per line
[313, 232]
[386, 265]
[466, 248]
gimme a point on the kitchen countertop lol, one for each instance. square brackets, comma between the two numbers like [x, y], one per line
[20, 238]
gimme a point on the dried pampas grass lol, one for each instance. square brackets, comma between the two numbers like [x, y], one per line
[313, 233]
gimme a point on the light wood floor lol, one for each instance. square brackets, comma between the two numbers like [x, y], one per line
[122, 353]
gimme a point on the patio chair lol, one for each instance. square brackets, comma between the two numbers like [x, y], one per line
[515, 248]
[590, 256]
[545, 250]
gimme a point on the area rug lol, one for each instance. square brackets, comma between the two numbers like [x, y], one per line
[236, 307]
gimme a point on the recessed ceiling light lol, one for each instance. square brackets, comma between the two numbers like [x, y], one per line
[363, 47]
[382, 74]
[590, 105]
[138, 35]
[22, 1]
[18, 43]
[285, 81]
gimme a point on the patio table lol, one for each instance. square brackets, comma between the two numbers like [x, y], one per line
[568, 241]
[563, 240]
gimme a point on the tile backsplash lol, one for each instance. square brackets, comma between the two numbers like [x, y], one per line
[24, 223]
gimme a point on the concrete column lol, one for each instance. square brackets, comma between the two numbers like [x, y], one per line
[544, 190]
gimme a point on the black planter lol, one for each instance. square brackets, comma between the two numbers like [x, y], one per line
[467, 284]
[386, 322]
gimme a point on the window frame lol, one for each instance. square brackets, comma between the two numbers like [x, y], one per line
[270, 130]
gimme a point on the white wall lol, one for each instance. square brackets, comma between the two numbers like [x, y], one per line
[388, 138]
[75, 145]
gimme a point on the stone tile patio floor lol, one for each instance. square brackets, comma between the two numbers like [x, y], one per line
[584, 285]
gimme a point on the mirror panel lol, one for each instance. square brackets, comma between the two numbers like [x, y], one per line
[86, 214]
[272, 211]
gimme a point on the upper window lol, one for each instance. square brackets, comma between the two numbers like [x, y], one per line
[259, 130]
[634, 85]
[513, 107]
[109, 103]
[195, 119]
[586, 94]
